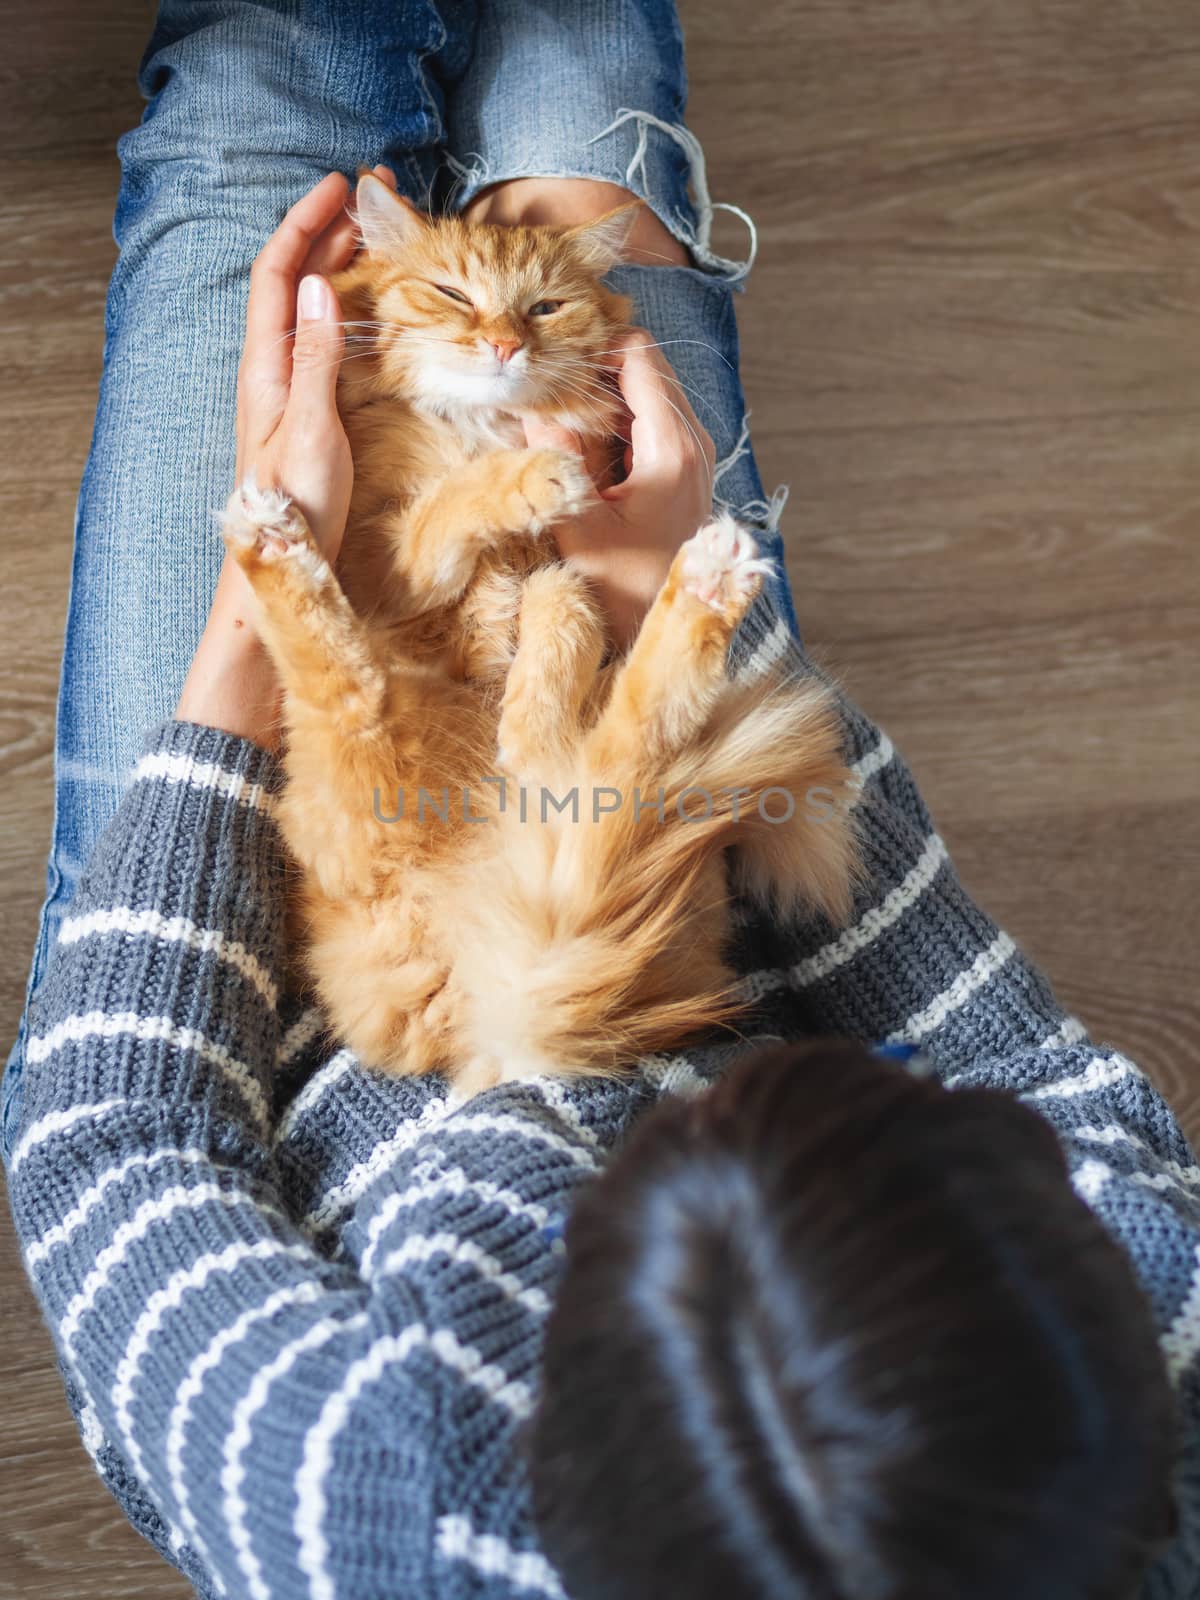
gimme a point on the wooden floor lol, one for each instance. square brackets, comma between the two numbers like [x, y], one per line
[972, 346]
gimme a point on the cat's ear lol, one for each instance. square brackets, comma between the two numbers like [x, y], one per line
[601, 243]
[386, 220]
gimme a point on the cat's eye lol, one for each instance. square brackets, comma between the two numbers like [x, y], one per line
[545, 308]
[452, 294]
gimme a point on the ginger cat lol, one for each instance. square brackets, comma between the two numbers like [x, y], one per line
[454, 668]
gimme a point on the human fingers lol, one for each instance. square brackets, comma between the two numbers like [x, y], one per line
[308, 455]
[265, 372]
[542, 434]
[596, 452]
[316, 353]
[337, 246]
[664, 426]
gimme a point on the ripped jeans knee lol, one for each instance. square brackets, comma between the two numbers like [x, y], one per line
[659, 162]
[689, 310]
[691, 226]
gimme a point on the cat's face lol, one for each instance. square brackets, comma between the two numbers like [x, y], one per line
[482, 318]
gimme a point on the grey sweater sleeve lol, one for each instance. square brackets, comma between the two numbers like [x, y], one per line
[203, 1333]
[300, 1347]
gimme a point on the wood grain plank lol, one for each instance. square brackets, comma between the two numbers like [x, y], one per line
[67, 91]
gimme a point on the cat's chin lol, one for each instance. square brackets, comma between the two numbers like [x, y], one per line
[446, 390]
[485, 407]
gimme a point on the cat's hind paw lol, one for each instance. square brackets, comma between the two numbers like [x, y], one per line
[264, 523]
[720, 565]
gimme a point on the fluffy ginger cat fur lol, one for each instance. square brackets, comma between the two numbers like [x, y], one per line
[453, 649]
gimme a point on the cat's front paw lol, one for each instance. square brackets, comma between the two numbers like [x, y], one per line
[552, 485]
[263, 524]
[720, 565]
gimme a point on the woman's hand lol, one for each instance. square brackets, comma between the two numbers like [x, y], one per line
[625, 541]
[290, 436]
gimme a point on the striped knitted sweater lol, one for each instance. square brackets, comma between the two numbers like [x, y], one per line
[298, 1306]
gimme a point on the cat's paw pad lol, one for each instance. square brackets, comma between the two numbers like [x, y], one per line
[553, 485]
[721, 566]
[263, 521]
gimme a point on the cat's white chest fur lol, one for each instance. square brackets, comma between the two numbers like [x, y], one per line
[480, 428]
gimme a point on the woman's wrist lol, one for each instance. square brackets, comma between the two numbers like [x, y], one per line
[232, 683]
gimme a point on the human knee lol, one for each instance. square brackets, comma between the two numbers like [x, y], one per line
[566, 201]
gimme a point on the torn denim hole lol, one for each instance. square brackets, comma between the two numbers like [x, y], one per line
[696, 239]
[764, 514]
[473, 173]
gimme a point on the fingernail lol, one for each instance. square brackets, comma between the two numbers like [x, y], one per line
[314, 299]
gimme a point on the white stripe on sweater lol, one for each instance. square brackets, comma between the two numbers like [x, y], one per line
[38, 1249]
[175, 768]
[180, 1198]
[163, 1300]
[438, 1113]
[1111, 1134]
[318, 1448]
[1160, 1182]
[389, 1351]
[148, 1030]
[875, 921]
[424, 1247]
[359, 1179]
[300, 1035]
[172, 930]
[1070, 1032]
[864, 932]
[169, 1298]
[865, 768]
[768, 652]
[1181, 1342]
[335, 1068]
[673, 1075]
[525, 1128]
[58, 1122]
[1100, 1073]
[1089, 1179]
[192, 1385]
[237, 1440]
[454, 1182]
[981, 971]
[91, 1432]
[556, 1096]
[493, 1557]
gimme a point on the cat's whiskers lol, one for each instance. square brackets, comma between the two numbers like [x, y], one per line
[592, 365]
[588, 397]
[688, 424]
[690, 390]
[353, 355]
[290, 333]
[686, 391]
[661, 344]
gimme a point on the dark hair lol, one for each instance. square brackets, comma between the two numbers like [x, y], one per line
[830, 1331]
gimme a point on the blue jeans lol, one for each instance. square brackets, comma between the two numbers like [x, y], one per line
[249, 105]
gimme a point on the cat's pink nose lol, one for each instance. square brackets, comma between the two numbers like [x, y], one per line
[505, 348]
